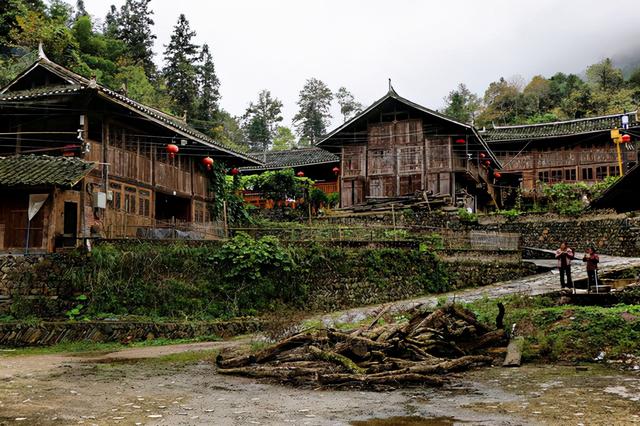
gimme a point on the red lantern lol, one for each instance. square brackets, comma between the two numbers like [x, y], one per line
[234, 171]
[461, 141]
[208, 162]
[336, 170]
[482, 155]
[300, 174]
[172, 150]
[487, 162]
[626, 138]
[497, 174]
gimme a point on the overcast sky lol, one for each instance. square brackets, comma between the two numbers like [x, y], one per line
[425, 47]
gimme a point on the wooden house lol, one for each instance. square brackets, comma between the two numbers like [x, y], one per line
[138, 183]
[564, 151]
[397, 148]
[315, 163]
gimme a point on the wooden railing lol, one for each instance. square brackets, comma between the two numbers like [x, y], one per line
[327, 187]
[171, 177]
[129, 164]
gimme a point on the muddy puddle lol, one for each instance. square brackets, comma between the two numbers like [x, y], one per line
[194, 394]
[409, 421]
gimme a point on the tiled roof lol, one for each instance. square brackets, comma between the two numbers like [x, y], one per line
[293, 158]
[557, 129]
[39, 92]
[42, 170]
[78, 83]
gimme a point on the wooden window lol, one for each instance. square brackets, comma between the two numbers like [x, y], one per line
[587, 173]
[614, 171]
[570, 175]
[116, 189]
[380, 162]
[601, 172]
[144, 203]
[543, 176]
[353, 161]
[410, 160]
[556, 175]
[130, 199]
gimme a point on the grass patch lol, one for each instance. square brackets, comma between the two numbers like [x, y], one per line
[97, 349]
[567, 332]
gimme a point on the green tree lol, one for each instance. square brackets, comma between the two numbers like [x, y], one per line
[538, 91]
[349, 107]
[209, 87]
[284, 139]
[180, 70]
[134, 26]
[562, 85]
[138, 87]
[503, 103]
[34, 27]
[461, 104]
[229, 132]
[312, 119]
[604, 76]
[9, 12]
[80, 9]
[261, 120]
[634, 79]
[60, 13]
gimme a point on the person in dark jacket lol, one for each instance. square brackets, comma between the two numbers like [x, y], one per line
[564, 255]
[592, 259]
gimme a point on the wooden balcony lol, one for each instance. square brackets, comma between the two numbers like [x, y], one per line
[172, 178]
[128, 164]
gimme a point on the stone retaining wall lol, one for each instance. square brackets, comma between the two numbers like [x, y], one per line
[344, 292]
[50, 333]
[611, 233]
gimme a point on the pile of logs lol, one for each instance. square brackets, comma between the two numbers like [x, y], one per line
[422, 350]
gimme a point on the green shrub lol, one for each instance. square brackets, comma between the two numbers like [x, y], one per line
[467, 217]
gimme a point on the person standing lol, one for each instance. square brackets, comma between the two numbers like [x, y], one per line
[564, 255]
[592, 259]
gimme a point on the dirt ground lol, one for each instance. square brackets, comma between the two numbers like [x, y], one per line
[178, 385]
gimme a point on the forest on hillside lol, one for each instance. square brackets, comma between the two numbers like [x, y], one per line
[118, 49]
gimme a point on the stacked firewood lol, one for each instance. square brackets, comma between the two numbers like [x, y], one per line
[422, 350]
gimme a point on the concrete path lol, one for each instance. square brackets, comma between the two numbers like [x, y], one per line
[11, 366]
[544, 283]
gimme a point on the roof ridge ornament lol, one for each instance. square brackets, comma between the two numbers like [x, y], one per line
[41, 54]
[391, 89]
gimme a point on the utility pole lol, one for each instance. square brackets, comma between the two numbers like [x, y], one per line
[617, 140]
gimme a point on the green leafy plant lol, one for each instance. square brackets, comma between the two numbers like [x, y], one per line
[333, 199]
[227, 189]
[254, 272]
[467, 217]
[75, 312]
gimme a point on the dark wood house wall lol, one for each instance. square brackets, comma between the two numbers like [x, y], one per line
[399, 159]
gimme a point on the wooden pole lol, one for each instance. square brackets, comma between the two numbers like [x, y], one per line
[224, 218]
[26, 246]
[309, 204]
[393, 215]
